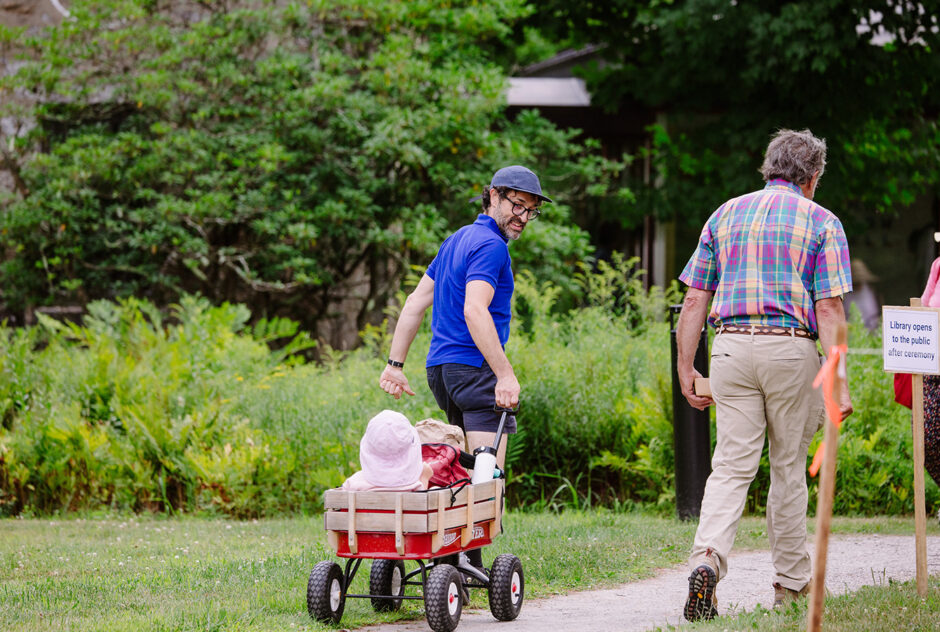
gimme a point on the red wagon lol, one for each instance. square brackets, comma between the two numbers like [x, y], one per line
[431, 528]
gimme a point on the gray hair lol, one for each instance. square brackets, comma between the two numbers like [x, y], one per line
[794, 157]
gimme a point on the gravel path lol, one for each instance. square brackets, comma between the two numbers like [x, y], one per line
[853, 562]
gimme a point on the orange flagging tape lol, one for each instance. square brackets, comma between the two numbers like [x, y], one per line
[817, 459]
[827, 377]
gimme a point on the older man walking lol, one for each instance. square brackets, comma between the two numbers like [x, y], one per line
[777, 266]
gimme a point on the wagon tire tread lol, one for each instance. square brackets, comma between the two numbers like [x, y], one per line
[320, 598]
[381, 582]
[507, 587]
[440, 587]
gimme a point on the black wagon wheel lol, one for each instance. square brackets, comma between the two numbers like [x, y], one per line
[387, 578]
[326, 595]
[507, 587]
[442, 598]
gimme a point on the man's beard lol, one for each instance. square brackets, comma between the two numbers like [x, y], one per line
[504, 228]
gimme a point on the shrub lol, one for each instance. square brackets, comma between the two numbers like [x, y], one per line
[875, 466]
[119, 411]
[596, 404]
[194, 411]
[597, 414]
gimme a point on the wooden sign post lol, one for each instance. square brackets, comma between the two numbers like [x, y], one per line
[827, 488]
[911, 344]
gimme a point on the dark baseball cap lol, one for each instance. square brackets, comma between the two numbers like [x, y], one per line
[518, 178]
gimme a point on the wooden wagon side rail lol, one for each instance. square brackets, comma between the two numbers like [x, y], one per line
[349, 514]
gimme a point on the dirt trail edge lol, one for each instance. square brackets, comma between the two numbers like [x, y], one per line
[853, 562]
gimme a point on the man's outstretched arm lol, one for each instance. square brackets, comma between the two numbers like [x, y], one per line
[393, 380]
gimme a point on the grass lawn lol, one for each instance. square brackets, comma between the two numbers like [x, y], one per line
[152, 573]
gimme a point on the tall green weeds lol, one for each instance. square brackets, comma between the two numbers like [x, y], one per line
[596, 416]
[194, 410]
[133, 410]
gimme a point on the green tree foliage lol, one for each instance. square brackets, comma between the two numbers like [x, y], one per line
[727, 73]
[295, 157]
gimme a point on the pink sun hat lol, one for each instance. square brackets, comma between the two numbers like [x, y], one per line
[390, 451]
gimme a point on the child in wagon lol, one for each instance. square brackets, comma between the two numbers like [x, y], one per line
[390, 457]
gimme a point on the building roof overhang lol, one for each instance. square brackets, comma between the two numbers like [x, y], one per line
[548, 91]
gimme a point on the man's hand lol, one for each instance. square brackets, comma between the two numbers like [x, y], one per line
[507, 391]
[687, 382]
[394, 382]
[845, 402]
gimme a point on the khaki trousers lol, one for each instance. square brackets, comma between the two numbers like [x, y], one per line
[761, 384]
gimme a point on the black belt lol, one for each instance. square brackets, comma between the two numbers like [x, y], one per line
[767, 330]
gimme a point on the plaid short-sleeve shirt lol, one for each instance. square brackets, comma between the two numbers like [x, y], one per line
[769, 256]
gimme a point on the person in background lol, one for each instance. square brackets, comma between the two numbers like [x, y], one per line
[864, 296]
[470, 284]
[769, 272]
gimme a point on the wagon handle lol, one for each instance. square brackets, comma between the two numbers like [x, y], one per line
[502, 423]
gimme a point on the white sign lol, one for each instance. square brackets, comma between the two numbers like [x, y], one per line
[911, 340]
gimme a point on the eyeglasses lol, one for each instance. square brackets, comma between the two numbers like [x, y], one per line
[519, 209]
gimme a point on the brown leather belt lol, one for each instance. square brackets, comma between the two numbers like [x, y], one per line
[766, 330]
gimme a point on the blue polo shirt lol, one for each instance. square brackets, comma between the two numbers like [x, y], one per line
[475, 252]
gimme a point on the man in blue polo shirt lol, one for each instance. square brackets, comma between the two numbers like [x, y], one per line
[470, 284]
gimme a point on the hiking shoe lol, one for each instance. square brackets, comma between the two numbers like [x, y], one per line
[783, 595]
[702, 603]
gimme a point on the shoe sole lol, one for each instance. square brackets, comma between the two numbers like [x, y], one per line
[701, 604]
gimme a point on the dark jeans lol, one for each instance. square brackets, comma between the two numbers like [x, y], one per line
[467, 394]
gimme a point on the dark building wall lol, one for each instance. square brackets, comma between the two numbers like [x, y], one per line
[621, 132]
[899, 248]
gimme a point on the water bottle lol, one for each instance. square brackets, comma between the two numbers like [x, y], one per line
[484, 465]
